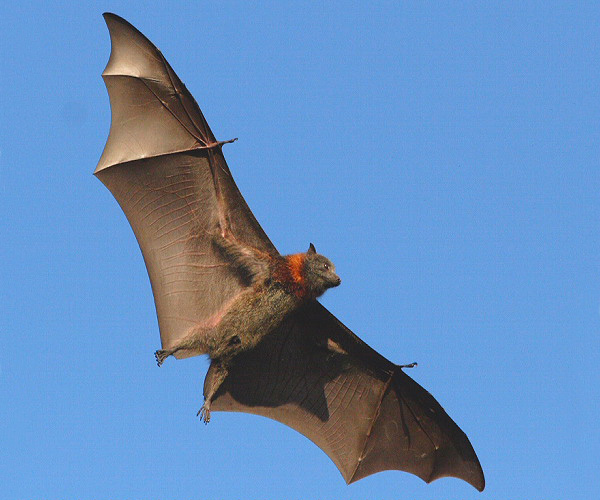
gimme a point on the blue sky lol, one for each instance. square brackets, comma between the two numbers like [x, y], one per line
[444, 155]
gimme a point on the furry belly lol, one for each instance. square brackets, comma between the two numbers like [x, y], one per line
[249, 319]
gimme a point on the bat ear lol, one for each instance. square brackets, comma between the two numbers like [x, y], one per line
[311, 249]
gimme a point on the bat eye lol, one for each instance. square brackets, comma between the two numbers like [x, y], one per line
[326, 267]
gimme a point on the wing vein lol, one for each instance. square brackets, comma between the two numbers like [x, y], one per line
[373, 421]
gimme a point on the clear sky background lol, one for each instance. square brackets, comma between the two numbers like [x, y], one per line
[444, 155]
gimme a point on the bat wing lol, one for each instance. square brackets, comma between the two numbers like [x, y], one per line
[167, 171]
[317, 377]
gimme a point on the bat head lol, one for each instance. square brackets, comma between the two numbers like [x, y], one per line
[319, 272]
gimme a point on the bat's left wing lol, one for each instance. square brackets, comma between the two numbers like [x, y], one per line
[317, 377]
[167, 171]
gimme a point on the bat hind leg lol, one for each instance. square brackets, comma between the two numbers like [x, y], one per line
[194, 341]
[214, 378]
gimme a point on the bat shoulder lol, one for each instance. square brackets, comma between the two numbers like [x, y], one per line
[251, 264]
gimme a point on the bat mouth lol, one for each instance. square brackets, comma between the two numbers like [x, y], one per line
[337, 281]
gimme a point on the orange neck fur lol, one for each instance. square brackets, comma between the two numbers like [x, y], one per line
[290, 273]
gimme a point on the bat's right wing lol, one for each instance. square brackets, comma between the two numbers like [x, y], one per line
[167, 171]
[317, 377]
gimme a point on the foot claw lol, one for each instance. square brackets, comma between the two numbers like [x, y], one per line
[161, 356]
[204, 414]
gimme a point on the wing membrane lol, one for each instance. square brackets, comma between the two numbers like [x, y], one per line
[358, 407]
[167, 171]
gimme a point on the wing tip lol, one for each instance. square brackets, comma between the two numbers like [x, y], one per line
[120, 30]
[478, 484]
[471, 474]
[112, 20]
[456, 458]
[121, 62]
[110, 17]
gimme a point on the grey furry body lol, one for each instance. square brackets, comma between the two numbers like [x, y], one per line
[254, 314]
[274, 291]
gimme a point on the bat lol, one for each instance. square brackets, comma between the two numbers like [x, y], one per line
[221, 288]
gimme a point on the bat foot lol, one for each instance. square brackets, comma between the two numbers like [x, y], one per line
[161, 356]
[204, 413]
